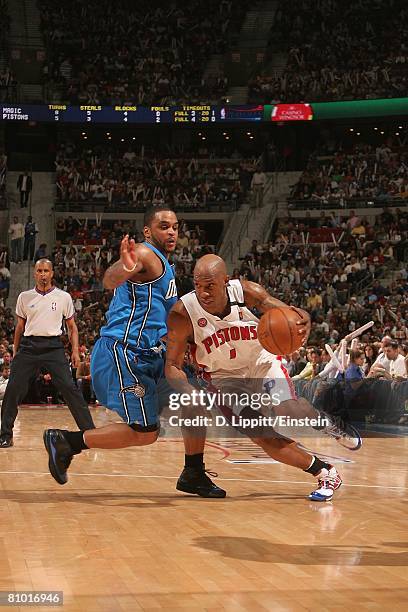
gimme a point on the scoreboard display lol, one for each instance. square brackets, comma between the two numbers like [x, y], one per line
[185, 114]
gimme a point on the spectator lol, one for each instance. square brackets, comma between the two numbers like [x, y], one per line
[83, 376]
[313, 367]
[30, 231]
[4, 283]
[258, 186]
[295, 363]
[16, 233]
[397, 370]
[5, 373]
[370, 355]
[24, 185]
[41, 252]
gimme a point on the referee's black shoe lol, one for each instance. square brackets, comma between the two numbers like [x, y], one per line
[59, 452]
[6, 442]
[195, 480]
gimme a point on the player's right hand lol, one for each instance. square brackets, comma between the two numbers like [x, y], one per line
[128, 255]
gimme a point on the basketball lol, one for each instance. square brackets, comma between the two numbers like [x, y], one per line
[278, 330]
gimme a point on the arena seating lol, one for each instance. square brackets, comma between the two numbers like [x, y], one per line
[122, 180]
[326, 278]
[336, 50]
[161, 62]
[7, 80]
[363, 173]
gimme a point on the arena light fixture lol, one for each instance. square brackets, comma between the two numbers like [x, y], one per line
[351, 129]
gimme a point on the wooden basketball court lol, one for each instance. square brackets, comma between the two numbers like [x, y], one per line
[118, 536]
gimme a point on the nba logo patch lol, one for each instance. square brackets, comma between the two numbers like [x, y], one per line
[54, 305]
[202, 322]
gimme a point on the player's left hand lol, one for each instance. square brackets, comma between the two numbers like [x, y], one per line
[304, 324]
[75, 359]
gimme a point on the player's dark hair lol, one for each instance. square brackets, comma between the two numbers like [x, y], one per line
[151, 213]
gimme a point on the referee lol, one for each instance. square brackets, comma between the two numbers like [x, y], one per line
[37, 343]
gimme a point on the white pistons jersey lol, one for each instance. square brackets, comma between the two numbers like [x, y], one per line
[223, 345]
[228, 348]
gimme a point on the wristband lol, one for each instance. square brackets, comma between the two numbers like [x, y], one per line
[127, 269]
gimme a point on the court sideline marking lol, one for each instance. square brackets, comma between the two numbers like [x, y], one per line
[307, 482]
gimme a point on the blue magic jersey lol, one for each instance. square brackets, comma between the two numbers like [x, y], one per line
[138, 312]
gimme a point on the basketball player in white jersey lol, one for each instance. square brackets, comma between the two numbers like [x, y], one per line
[216, 319]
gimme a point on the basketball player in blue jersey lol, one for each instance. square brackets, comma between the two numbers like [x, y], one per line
[127, 361]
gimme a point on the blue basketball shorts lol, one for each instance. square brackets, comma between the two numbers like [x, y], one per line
[126, 380]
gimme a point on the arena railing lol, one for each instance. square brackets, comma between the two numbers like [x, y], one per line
[227, 206]
[344, 204]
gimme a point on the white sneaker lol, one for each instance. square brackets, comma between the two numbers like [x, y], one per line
[345, 434]
[329, 480]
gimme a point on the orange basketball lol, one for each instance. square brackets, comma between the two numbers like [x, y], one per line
[278, 332]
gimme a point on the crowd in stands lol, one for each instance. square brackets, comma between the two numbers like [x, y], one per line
[337, 50]
[5, 27]
[365, 172]
[105, 175]
[323, 277]
[129, 53]
[3, 179]
[8, 82]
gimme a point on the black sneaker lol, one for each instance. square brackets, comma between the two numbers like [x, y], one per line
[6, 442]
[196, 481]
[60, 454]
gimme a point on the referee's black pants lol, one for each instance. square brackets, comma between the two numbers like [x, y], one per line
[36, 352]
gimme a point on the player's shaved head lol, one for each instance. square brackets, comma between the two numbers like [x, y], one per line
[210, 265]
[210, 280]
